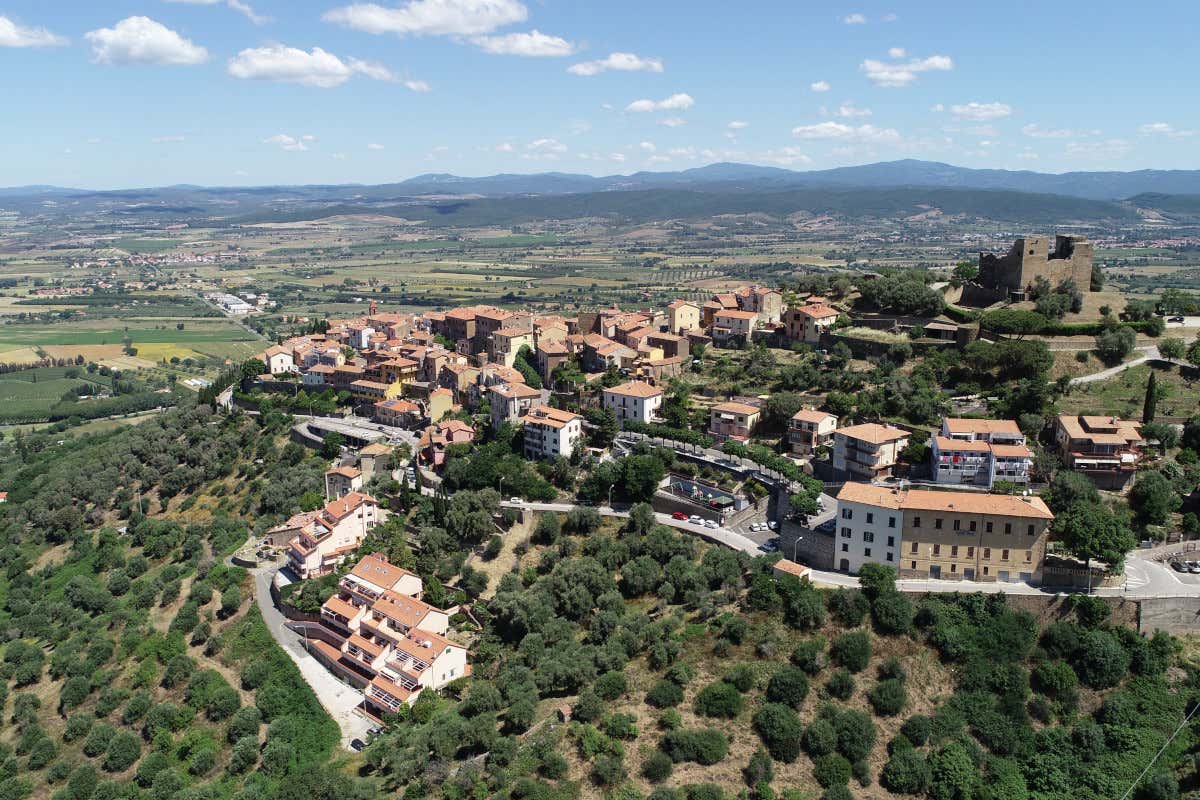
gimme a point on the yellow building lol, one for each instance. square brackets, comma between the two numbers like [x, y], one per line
[374, 391]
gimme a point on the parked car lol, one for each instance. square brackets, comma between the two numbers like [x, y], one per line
[1194, 567]
[679, 515]
[1179, 566]
[769, 546]
[1175, 319]
[696, 519]
[711, 523]
[516, 501]
[357, 745]
[773, 525]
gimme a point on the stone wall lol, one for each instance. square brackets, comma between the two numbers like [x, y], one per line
[1031, 257]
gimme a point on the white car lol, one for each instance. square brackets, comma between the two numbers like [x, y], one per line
[711, 523]
[516, 501]
[773, 525]
[696, 519]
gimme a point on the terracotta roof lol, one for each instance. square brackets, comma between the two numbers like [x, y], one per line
[461, 313]
[550, 417]
[869, 494]
[812, 415]
[736, 408]
[791, 568]
[681, 304]
[399, 406]
[339, 606]
[365, 644]
[375, 449]
[945, 443]
[818, 311]
[346, 472]
[735, 314]
[510, 332]
[1125, 430]
[408, 611]
[343, 507]
[412, 644]
[874, 433]
[278, 350]
[455, 425]
[966, 425]
[1012, 450]
[378, 571]
[516, 390]
[366, 384]
[635, 389]
[322, 369]
[997, 505]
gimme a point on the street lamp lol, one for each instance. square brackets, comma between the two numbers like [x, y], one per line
[501, 487]
[795, 545]
[610, 488]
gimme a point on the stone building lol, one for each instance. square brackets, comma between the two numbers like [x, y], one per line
[1012, 275]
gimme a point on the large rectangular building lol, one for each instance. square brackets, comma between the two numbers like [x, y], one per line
[1106, 449]
[867, 452]
[980, 452]
[946, 535]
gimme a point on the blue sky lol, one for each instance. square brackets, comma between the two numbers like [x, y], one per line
[125, 93]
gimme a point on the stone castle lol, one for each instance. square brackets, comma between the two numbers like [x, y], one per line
[1012, 275]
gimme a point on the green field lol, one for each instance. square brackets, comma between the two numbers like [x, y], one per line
[135, 245]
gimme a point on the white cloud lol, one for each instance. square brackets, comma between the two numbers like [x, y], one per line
[890, 17]
[168, 139]
[319, 68]
[1028, 155]
[1035, 131]
[141, 40]
[937, 108]
[290, 143]
[1163, 129]
[687, 153]
[14, 35]
[850, 133]
[546, 147]
[375, 146]
[850, 111]
[897, 52]
[981, 112]
[618, 157]
[855, 19]
[786, 156]
[416, 86]
[672, 122]
[338, 156]
[1100, 150]
[237, 5]
[649, 147]
[531, 45]
[619, 62]
[505, 147]
[431, 17]
[676, 102]
[738, 125]
[820, 86]
[903, 73]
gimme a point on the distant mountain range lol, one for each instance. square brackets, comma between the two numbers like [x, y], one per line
[887, 189]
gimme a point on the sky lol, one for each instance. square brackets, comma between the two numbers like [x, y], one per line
[127, 93]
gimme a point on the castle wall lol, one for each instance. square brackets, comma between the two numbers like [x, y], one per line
[1031, 257]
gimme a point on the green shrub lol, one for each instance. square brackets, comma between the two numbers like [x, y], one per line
[1101, 661]
[819, 738]
[741, 676]
[892, 613]
[611, 685]
[831, 770]
[788, 685]
[719, 699]
[779, 728]
[888, 697]
[851, 650]
[705, 746]
[665, 694]
[906, 772]
[916, 729]
[657, 767]
[855, 734]
[123, 751]
[809, 655]
[840, 685]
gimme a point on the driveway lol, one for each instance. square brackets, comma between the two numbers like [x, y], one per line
[337, 698]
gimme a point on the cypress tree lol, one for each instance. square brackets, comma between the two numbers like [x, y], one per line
[1149, 406]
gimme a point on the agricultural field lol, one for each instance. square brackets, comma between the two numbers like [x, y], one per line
[154, 339]
[1123, 394]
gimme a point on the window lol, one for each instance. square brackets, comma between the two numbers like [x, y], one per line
[937, 549]
[913, 549]
[985, 570]
[847, 513]
[1004, 555]
[987, 526]
[891, 522]
[916, 522]
[868, 536]
[1030, 530]
[957, 524]
[954, 550]
[987, 552]
[954, 567]
[891, 541]
[845, 533]
[970, 552]
[1008, 527]
[845, 547]
[870, 517]
[1029, 555]
[914, 565]
[889, 556]
[867, 552]
[972, 525]
[937, 523]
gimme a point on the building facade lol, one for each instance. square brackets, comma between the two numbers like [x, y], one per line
[809, 429]
[867, 452]
[733, 420]
[980, 452]
[551, 432]
[1106, 449]
[635, 400]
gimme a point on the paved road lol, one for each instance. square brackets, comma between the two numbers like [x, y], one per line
[337, 698]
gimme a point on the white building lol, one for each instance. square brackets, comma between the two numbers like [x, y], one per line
[551, 432]
[980, 452]
[869, 524]
[635, 400]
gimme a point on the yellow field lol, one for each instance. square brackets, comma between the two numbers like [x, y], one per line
[19, 355]
[90, 352]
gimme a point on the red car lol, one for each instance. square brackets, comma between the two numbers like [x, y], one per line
[679, 515]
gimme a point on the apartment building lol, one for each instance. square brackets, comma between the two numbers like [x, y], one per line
[946, 535]
[635, 400]
[733, 326]
[370, 391]
[399, 413]
[980, 452]
[733, 420]
[507, 342]
[809, 429]
[867, 452]
[341, 481]
[551, 432]
[389, 642]
[682, 316]
[509, 401]
[279, 359]
[809, 322]
[323, 538]
[1106, 449]
[436, 438]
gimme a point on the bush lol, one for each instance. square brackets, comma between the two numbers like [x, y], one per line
[855, 734]
[1101, 661]
[819, 738]
[780, 729]
[809, 655]
[123, 751]
[892, 613]
[719, 699]
[620, 726]
[759, 769]
[848, 606]
[657, 767]
[611, 685]
[705, 746]
[789, 685]
[917, 729]
[840, 685]
[608, 770]
[851, 650]
[888, 697]
[831, 770]
[741, 677]
[665, 694]
[906, 772]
